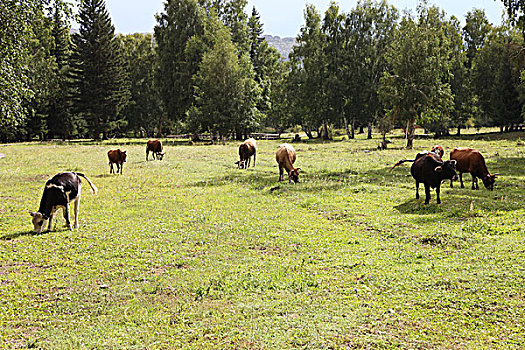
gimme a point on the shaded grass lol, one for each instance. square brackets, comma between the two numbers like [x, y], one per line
[190, 252]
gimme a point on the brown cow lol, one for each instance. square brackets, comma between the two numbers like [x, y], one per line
[155, 146]
[118, 157]
[285, 157]
[471, 161]
[247, 149]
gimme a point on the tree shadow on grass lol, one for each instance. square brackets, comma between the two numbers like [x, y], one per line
[15, 235]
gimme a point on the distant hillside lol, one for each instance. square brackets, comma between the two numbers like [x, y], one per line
[283, 45]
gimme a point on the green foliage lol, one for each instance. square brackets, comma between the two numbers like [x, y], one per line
[101, 81]
[417, 88]
[144, 113]
[225, 89]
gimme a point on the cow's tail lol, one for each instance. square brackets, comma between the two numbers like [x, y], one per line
[93, 187]
[401, 162]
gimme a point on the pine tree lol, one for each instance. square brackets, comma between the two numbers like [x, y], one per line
[100, 79]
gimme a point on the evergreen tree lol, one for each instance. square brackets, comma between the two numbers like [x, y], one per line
[100, 79]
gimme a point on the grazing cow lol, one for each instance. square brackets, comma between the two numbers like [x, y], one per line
[430, 170]
[247, 149]
[285, 157]
[118, 157]
[471, 161]
[155, 146]
[435, 150]
[59, 191]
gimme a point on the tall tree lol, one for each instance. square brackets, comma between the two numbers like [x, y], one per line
[225, 89]
[144, 110]
[181, 21]
[308, 73]
[101, 81]
[15, 34]
[416, 90]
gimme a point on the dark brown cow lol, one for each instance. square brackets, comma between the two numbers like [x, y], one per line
[247, 149]
[285, 157]
[430, 170]
[155, 146]
[118, 157]
[471, 161]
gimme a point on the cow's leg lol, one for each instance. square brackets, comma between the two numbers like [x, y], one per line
[437, 194]
[121, 167]
[281, 171]
[50, 226]
[254, 159]
[77, 204]
[147, 153]
[461, 179]
[474, 183]
[248, 161]
[111, 170]
[118, 168]
[427, 193]
[417, 189]
[66, 216]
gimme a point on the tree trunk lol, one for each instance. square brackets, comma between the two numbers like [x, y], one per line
[353, 128]
[369, 131]
[361, 129]
[410, 131]
[326, 135]
[159, 132]
[459, 131]
[308, 132]
[348, 133]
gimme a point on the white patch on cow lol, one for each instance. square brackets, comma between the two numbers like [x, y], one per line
[56, 186]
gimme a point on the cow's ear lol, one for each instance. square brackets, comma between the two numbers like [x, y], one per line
[298, 169]
[438, 169]
[454, 162]
[32, 213]
[495, 175]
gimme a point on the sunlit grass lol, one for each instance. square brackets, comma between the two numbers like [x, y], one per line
[191, 252]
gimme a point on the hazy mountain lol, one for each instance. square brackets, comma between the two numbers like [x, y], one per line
[283, 45]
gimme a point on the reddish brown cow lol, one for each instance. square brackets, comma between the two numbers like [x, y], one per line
[118, 157]
[155, 146]
[471, 161]
[247, 149]
[285, 157]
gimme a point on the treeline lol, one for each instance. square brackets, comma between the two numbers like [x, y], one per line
[207, 68]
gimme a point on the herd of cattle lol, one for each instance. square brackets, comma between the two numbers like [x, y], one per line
[428, 168]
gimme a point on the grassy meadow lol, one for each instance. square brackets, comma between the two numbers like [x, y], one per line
[191, 252]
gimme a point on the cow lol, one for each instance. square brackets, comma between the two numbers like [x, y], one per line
[435, 150]
[430, 170]
[285, 157]
[155, 146]
[471, 161]
[58, 192]
[118, 157]
[247, 149]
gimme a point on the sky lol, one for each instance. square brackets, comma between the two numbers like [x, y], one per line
[283, 18]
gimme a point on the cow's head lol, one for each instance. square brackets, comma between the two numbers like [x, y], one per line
[160, 155]
[489, 180]
[39, 220]
[241, 164]
[447, 170]
[123, 155]
[294, 175]
[438, 150]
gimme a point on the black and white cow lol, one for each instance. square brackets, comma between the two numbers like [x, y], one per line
[59, 191]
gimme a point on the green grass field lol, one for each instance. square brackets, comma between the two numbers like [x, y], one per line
[191, 252]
